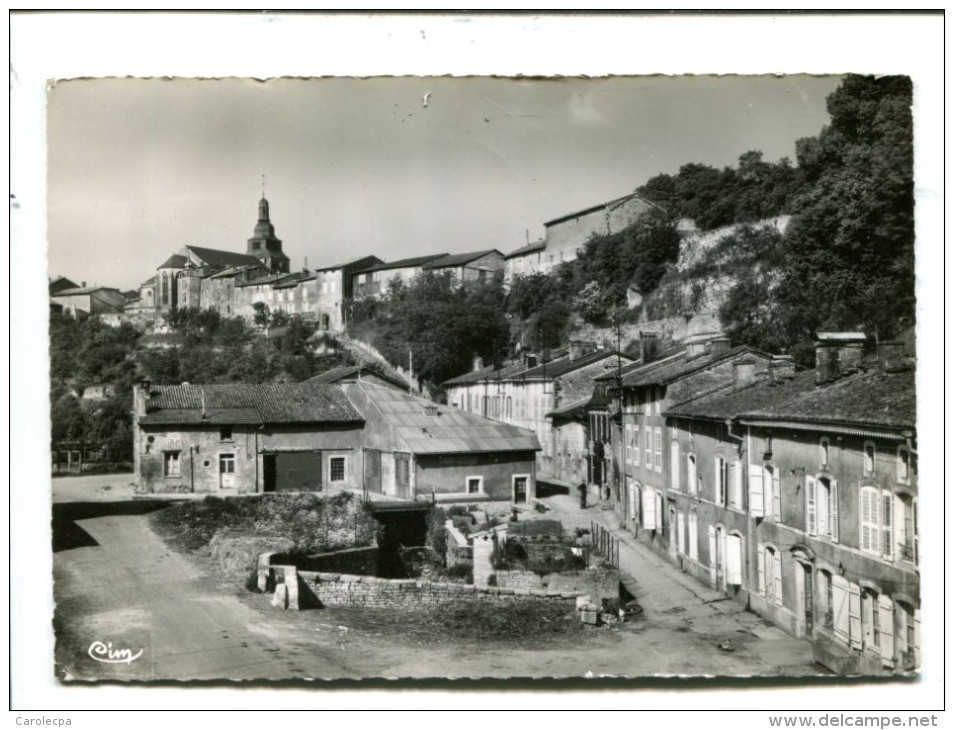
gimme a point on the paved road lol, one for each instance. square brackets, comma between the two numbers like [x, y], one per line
[130, 590]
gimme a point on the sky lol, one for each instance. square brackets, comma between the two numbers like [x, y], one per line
[139, 168]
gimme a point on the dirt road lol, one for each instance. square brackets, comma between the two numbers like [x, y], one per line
[123, 587]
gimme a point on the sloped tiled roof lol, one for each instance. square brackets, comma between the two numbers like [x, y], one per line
[176, 261]
[679, 365]
[294, 280]
[423, 427]
[560, 364]
[223, 258]
[529, 248]
[84, 290]
[270, 279]
[571, 410]
[563, 365]
[873, 398]
[336, 375]
[458, 259]
[402, 263]
[269, 403]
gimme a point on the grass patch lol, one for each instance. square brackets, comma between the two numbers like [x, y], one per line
[312, 522]
[522, 619]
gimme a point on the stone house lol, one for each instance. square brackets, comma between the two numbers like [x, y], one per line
[334, 288]
[524, 261]
[525, 391]
[93, 300]
[238, 438]
[373, 280]
[465, 267]
[417, 449]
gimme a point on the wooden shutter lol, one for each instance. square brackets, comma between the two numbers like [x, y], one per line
[833, 510]
[839, 599]
[885, 611]
[917, 637]
[777, 493]
[693, 536]
[733, 560]
[761, 570]
[777, 576]
[680, 532]
[649, 509]
[887, 533]
[854, 615]
[756, 507]
[712, 555]
[810, 502]
[659, 511]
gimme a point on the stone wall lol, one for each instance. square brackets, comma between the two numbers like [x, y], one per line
[597, 583]
[357, 591]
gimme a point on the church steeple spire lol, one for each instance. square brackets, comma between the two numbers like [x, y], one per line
[264, 244]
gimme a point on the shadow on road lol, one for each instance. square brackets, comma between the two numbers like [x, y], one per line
[67, 535]
[547, 489]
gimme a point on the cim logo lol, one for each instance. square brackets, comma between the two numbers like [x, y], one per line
[108, 655]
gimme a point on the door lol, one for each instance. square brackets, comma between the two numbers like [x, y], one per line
[673, 534]
[226, 471]
[372, 470]
[520, 489]
[402, 475]
[720, 558]
[809, 599]
[298, 471]
[268, 472]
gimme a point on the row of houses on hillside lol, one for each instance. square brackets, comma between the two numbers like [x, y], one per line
[359, 433]
[793, 493]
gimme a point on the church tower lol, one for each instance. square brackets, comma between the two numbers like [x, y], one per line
[265, 245]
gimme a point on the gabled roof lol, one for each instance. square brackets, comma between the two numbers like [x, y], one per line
[84, 290]
[572, 410]
[356, 265]
[61, 282]
[459, 259]
[518, 370]
[679, 365]
[262, 280]
[294, 280]
[266, 403]
[873, 398]
[423, 427]
[529, 248]
[563, 365]
[176, 261]
[214, 257]
[337, 375]
[402, 263]
[601, 206]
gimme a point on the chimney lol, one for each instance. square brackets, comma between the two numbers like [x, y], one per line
[696, 347]
[647, 346]
[530, 360]
[478, 363]
[837, 354]
[545, 355]
[82, 284]
[744, 371]
[719, 346]
[578, 348]
[781, 369]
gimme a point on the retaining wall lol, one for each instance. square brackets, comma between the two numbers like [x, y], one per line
[596, 583]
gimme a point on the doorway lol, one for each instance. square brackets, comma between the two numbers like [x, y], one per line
[805, 599]
[520, 488]
[226, 471]
[720, 558]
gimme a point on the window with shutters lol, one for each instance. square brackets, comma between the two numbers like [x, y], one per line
[636, 444]
[674, 464]
[906, 527]
[904, 465]
[908, 635]
[735, 485]
[878, 532]
[627, 440]
[825, 599]
[869, 458]
[649, 448]
[840, 610]
[721, 474]
[771, 492]
[693, 536]
[692, 480]
[659, 512]
[657, 442]
[821, 507]
[770, 574]
[870, 620]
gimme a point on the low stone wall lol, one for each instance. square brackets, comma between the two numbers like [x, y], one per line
[597, 583]
[319, 589]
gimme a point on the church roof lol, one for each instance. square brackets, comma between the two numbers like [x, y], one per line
[176, 261]
[214, 257]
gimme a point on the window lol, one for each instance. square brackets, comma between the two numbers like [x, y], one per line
[770, 574]
[680, 533]
[628, 442]
[337, 468]
[870, 619]
[509, 413]
[206, 463]
[636, 444]
[657, 440]
[225, 433]
[909, 634]
[821, 507]
[691, 476]
[171, 463]
[475, 485]
[876, 514]
[735, 485]
[226, 463]
[869, 458]
[825, 599]
[649, 448]
[649, 509]
[771, 491]
[693, 536]
[674, 463]
[904, 465]
[721, 481]
[906, 524]
[733, 560]
[823, 452]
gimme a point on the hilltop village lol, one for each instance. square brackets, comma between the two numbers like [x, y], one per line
[783, 481]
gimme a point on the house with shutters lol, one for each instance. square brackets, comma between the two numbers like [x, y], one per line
[798, 497]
